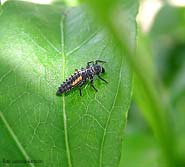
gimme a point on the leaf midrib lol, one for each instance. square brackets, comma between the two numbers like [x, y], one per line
[63, 97]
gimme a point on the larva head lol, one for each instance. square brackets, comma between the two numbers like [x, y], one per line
[98, 69]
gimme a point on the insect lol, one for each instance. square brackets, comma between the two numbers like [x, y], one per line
[81, 77]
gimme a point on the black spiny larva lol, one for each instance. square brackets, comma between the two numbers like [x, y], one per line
[81, 77]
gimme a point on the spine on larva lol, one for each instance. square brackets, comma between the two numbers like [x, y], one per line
[67, 85]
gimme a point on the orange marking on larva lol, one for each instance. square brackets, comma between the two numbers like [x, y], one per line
[77, 80]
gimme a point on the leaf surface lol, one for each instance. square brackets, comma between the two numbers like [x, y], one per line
[40, 46]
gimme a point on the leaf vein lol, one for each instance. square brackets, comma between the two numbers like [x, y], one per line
[82, 43]
[108, 119]
[13, 135]
[63, 97]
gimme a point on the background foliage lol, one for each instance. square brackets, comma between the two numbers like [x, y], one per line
[164, 44]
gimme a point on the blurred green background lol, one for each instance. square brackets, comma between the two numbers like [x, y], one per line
[165, 36]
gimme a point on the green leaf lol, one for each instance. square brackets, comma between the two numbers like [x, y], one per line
[150, 95]
[167, 36]
[170, 21]
[40, 46]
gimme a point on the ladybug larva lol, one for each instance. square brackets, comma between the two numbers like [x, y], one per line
[81, 77]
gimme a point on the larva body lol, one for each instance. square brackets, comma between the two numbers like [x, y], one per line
[80, 77]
